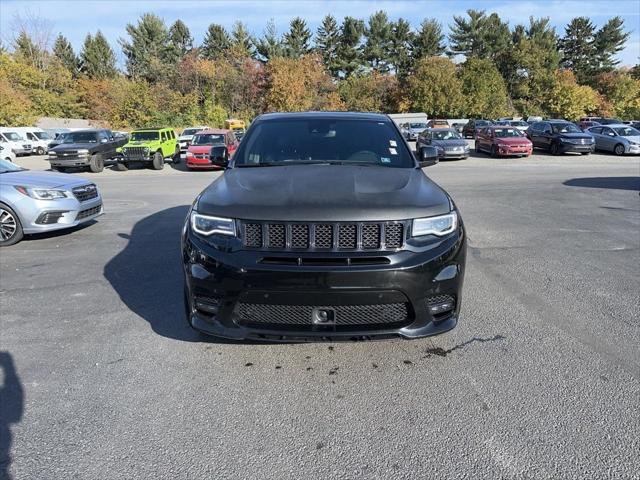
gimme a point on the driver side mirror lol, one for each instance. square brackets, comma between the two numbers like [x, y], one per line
[219, 156]
[427, 156]
[611, 134]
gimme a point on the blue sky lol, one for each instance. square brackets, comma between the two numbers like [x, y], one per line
[75, 18]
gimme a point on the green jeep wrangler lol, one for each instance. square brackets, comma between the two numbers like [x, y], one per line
[149, 146]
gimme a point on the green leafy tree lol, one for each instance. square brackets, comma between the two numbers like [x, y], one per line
[484, 89]
[63, 51]
[241, 42]
[270, 45]
[434, 88]
[148, 52]
[97, 59]
[608, 41]
[480, 35]
[567, 99]
[216, 43]
[349, 57]
[28, 51]
[297, 39]
[180, 40]
[372, 92]
[622, 93]
[378, 37]
[429, 41]
[400, 47]
[578, 48]
[327, 43]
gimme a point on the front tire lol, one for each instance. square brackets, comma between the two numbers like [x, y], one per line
[40, 151]
[494, 151]
[96, 164]
[176, 156]
[158, 161]
[122, 166]
[10, 226]
[554, 149]
[619, 149]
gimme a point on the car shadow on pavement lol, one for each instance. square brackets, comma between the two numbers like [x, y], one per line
[147, 274]
[615, 183]
[11, 408]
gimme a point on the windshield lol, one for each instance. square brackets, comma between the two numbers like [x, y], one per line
[418, 125]
[507, 132]
[42, 135]
[627, 131]
[446, 135]
[191, 131]
[144, 136]
[565, 128]
[519, 123]
[80, 137]
[7, 166]
[13, 136]
[323, 140]
[482, 123]
[208, 139]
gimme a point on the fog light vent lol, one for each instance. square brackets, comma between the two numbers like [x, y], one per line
[48, 218]
[206, 305]
[441, 306]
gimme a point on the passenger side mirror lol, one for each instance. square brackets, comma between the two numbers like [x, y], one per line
[219, 155]
[427, 156]
[611, 134]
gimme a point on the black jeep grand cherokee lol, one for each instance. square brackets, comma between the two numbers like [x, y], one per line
[323, 226]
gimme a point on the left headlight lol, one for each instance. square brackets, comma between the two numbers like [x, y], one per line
[440, 225]
[41, 193]
[207, 225]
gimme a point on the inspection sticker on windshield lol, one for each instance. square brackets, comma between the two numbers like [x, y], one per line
[393, 143]
[393, 151]
[385, 159]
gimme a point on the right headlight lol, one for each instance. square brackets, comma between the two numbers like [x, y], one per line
[207, 225]
[440, 225]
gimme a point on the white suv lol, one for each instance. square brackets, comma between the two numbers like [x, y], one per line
[186, 137]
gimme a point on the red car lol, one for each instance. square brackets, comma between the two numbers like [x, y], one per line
[198, 151]
[504, 141]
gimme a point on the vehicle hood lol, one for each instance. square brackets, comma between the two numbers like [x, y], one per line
[454, 142]
[62, 147]
[41, 179]
[200, 148]
[323, 193]
[142, 144]
[575, 135]
[634, 139]
[513, 140]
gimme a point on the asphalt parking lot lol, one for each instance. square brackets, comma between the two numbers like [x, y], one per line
[541, 378]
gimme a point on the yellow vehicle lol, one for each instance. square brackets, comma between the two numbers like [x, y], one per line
[233, 123]
[238, 126]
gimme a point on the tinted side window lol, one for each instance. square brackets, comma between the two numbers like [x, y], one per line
[163, 136]
[597, 130]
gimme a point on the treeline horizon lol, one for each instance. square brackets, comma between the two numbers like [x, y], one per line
[355, 64]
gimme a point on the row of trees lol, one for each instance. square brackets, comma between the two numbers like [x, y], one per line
[378, 65]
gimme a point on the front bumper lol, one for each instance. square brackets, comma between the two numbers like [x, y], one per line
[577, 147]
[455, 155]
[227, 280]
[68, 212]
[515, 151]
[633, 149]
[74, 161]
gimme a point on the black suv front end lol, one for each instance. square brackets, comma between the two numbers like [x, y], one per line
[323, 226]
[321, 280]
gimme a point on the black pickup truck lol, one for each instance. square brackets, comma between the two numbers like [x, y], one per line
[85, 149]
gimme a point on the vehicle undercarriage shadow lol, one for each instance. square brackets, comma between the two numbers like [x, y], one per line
[615, 183]
[148, 277]
[147, 274]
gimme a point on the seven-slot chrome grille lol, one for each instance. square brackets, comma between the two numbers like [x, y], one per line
[135, 153]
[323, 236]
